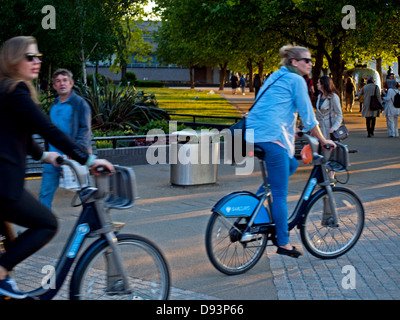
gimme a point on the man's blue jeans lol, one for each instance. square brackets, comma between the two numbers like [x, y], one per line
[50, 181]
[279, 168]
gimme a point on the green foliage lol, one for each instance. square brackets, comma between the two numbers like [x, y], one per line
[46, 100]
[85, 29]
[131, 76]
[117, 107]
[99, 79]
[130, 32]
[158, 124]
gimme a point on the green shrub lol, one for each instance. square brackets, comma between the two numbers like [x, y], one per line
[157, 124]
[103, 144]
[115, 107]
[131, 76]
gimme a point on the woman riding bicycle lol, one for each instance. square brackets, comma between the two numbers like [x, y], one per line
[273, 119]
[20, 118]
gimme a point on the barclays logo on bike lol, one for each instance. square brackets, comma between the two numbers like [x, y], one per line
[239, 208]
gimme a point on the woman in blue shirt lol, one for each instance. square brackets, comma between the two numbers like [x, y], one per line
[273, 119]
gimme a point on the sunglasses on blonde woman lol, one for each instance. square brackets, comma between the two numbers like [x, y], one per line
[31, 56]
[306, 60]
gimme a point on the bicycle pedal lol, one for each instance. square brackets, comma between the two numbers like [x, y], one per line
[118, 225]
[247, 236]
[330, 225]
[118, 289]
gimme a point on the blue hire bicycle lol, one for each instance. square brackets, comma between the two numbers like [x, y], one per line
[115, 266]
[330, 218]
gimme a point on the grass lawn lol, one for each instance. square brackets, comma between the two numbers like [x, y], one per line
[194, 101]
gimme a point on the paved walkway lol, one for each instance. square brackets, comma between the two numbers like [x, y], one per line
[175, 218]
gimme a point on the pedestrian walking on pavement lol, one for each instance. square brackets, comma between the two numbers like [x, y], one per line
[234, 83]
[242, 83]
[392, 113]
[368, 91]
[361, 97]
[350, 90]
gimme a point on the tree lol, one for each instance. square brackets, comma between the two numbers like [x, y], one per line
[85, 29]
[178, 39]
[319, 26]
[129, 31]
[130, 43]
[172, 49]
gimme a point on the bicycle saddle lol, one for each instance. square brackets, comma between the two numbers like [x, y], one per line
[259, 152]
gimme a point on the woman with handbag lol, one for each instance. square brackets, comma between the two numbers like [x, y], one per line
[329, 111]
[273, 121]
[369, 91]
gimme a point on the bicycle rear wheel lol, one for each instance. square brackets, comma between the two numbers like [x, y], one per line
[321, 237]
[224, 249]
[145, 266]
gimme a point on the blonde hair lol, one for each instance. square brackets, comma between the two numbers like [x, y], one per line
[290, 52]
[12, 53]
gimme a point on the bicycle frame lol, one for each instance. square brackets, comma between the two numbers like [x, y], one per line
[87, 222]
[318, 176]
[92, 222]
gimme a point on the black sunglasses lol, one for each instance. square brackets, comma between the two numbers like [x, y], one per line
[307, 60]
[30, 56]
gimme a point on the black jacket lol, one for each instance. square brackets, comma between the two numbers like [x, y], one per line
[20, 118]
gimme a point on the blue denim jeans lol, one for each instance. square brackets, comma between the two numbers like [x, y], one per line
[50, 182]
[279, 168]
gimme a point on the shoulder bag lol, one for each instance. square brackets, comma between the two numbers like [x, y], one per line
[374, 104]
[238, 129]
[342, 132]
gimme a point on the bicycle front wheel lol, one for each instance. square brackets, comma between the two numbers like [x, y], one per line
[321, 236]
[224, 248]
[145, 267]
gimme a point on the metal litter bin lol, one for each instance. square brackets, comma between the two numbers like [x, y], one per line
[194, 157]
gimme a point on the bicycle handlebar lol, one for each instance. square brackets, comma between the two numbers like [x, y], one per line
[61, 160]
[312, 140]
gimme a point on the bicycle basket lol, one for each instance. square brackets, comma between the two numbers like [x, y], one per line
[339, 158]
[122, 188]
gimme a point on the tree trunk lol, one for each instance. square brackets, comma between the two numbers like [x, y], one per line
[260, 65]
[50, 78]
[336, 64]
[124, 68]
[250, 67]
[222, 73]
[84, 73]
[191, 70]
[319, 61]
[317, 68]
[379, 69]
